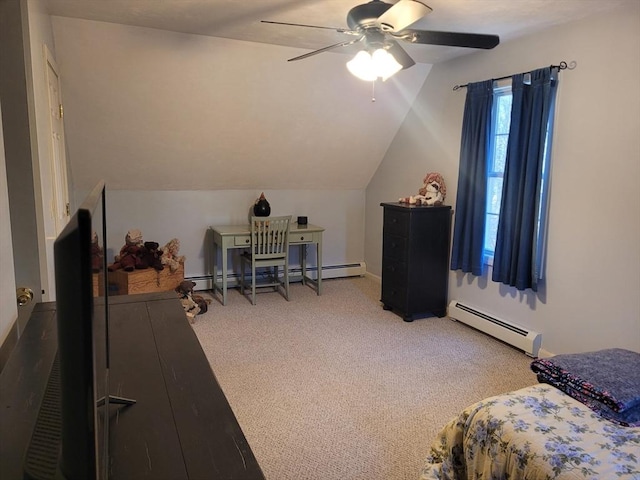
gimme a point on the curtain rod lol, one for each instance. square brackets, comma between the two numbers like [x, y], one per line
[561, 66]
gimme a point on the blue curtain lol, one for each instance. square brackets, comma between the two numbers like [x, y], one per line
[518, 257]
[468, 233]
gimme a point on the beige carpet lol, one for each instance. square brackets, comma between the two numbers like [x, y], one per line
[334, 387]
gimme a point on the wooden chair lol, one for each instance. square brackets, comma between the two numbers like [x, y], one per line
[269, 248]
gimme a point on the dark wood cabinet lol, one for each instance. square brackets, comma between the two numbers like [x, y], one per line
[415, 259]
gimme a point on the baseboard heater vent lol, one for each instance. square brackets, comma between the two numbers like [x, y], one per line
[205, 282]
[520, 337]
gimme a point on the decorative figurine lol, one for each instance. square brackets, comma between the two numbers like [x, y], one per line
[262, 207]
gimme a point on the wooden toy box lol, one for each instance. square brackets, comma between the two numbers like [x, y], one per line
[146, 281]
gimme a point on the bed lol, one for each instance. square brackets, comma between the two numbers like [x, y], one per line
[569, 426]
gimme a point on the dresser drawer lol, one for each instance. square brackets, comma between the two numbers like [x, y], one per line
[395, 246]
[394, 272]
[396, 222]
[394, 284]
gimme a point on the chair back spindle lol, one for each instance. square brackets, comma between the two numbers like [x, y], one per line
[269, 248]
[270, 236]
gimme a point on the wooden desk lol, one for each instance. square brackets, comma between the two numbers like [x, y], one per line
[228, 237]
[181, 427]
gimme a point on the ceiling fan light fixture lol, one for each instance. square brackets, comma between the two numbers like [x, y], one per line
[361, 66]
[369, 67]
[385, 63]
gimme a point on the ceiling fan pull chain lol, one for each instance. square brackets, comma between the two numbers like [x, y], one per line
[373, 91]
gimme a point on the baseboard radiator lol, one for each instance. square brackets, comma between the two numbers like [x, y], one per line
[515, 335]
[205, 282]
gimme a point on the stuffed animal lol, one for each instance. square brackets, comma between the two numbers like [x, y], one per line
[193, 304]
[170, 255]
[151, 255]
[432, 192]
[131, 253]
[203, 303]
[97, 254]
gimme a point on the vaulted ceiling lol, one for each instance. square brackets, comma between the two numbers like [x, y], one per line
[197, 94]
[240, 20]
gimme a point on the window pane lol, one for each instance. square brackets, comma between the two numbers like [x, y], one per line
[490, 233]
[496, 162]
[494, 195]
[500, 153]
[503, 119]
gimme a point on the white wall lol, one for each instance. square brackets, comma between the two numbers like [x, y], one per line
[591, 299]
[9, 310]
[149, 109]
[188, 130]
[187, 215]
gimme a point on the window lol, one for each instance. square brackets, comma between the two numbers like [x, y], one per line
[500, 123]
[504, 160]
[496, 160]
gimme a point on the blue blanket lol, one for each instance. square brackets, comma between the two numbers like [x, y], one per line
[608, 381]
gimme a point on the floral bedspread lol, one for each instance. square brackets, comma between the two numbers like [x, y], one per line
[534, 433]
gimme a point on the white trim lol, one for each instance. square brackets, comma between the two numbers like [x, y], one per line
[205, 282]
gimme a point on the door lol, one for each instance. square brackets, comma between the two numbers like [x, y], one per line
[53, 170]
[59, 185]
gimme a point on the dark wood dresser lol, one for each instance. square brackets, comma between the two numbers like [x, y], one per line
[415, 259]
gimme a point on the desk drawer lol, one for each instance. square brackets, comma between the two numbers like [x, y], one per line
[244, 241]
[301, 237]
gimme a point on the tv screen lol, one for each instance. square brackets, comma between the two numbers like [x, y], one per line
[70, 439]
[81, 317]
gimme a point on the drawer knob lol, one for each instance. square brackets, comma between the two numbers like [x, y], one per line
[247, 241]
[301, 238]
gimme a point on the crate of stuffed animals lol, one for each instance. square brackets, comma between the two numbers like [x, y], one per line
[146, 281]
[145, 267]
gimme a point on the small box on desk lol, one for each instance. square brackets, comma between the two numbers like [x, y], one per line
[147, 280]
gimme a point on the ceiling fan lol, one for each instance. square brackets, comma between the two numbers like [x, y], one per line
[379, 25]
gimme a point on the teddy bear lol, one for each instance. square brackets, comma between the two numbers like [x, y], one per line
[193, 304]
[151, 256]
[130, 257]
[432, 192]
[170, 255]
[97, 254]
[191, 308]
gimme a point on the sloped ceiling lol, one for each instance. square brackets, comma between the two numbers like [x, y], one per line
[198, 95]
[240, 20]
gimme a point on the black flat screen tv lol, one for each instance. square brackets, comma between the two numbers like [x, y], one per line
[71, 438]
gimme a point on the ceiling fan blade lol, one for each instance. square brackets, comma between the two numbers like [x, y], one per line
[330, 47]
[452, 39]
[399, 53]
[339, 30]
[402, 14]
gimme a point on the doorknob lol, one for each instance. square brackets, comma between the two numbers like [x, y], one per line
[24, 295]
